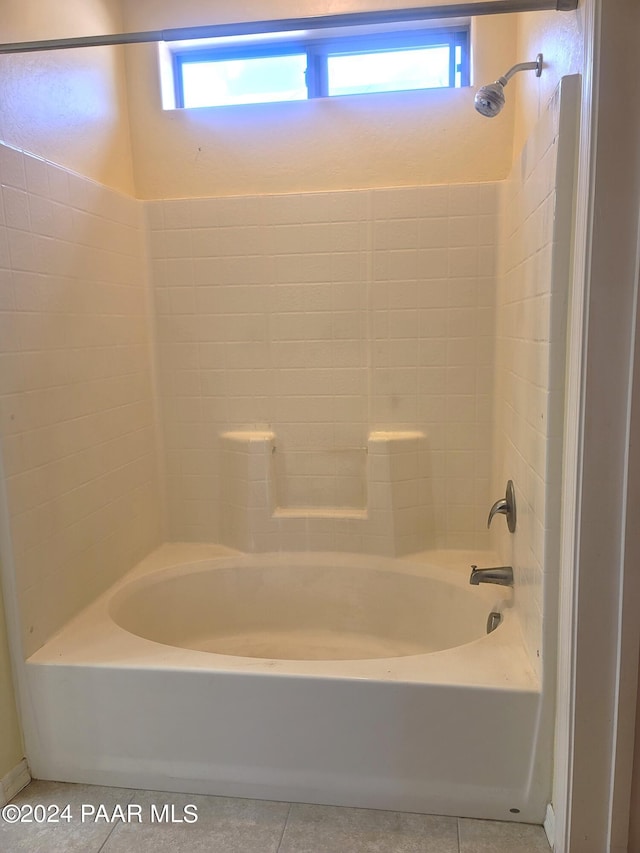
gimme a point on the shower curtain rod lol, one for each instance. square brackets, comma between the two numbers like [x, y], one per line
[422, 13]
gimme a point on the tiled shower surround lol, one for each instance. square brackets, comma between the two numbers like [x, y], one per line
[291, 372]
[77, 420]
[76, 405]
[531, 308]
[323, 318]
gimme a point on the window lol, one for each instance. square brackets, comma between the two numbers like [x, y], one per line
[210, 82]
[299, 66]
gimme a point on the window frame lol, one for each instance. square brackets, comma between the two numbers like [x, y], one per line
[318, 49]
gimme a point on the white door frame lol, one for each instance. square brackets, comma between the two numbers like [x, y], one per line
[599, 629]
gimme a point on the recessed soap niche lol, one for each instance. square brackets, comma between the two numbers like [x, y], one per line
[367, 498]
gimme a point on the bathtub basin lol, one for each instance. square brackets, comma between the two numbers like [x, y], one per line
[307, 608]
[340, 679]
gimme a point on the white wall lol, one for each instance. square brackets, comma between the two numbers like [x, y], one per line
[387, 139]
[559, 37]
[68, 106]
[76, 409]
[536, 220]
[324, 317]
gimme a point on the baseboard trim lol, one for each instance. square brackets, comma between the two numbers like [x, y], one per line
[550, 826]
[14, 782]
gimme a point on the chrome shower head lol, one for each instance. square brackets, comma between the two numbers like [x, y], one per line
[490, 99]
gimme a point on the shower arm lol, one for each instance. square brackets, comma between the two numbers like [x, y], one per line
[522, 66]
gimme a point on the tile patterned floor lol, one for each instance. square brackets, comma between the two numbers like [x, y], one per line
[226, 825]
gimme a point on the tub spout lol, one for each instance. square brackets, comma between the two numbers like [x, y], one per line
[502, 575]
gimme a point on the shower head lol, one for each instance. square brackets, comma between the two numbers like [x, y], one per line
[490, 99]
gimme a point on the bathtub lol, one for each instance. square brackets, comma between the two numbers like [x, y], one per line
[327, 678]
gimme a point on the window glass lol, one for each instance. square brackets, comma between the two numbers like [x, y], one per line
[389, 71]
[244, 81]
[281, 66]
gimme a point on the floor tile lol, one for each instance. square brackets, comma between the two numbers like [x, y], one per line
[224, 825]
[329, 829]
[159, 823]
[487, 836]
[73, 836]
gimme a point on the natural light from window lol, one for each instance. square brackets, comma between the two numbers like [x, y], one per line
[281, 66]
[389, 71]
[244, 81]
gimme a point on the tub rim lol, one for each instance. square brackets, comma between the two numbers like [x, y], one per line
[92, 639]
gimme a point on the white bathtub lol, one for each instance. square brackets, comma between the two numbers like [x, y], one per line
[327, 678]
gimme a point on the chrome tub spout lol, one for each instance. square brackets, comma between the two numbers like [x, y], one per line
[502, 575]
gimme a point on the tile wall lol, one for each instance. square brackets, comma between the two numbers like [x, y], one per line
[323, 317]
[533, 285]
[77, 423]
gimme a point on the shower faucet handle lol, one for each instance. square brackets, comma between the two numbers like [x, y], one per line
[505, 506]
